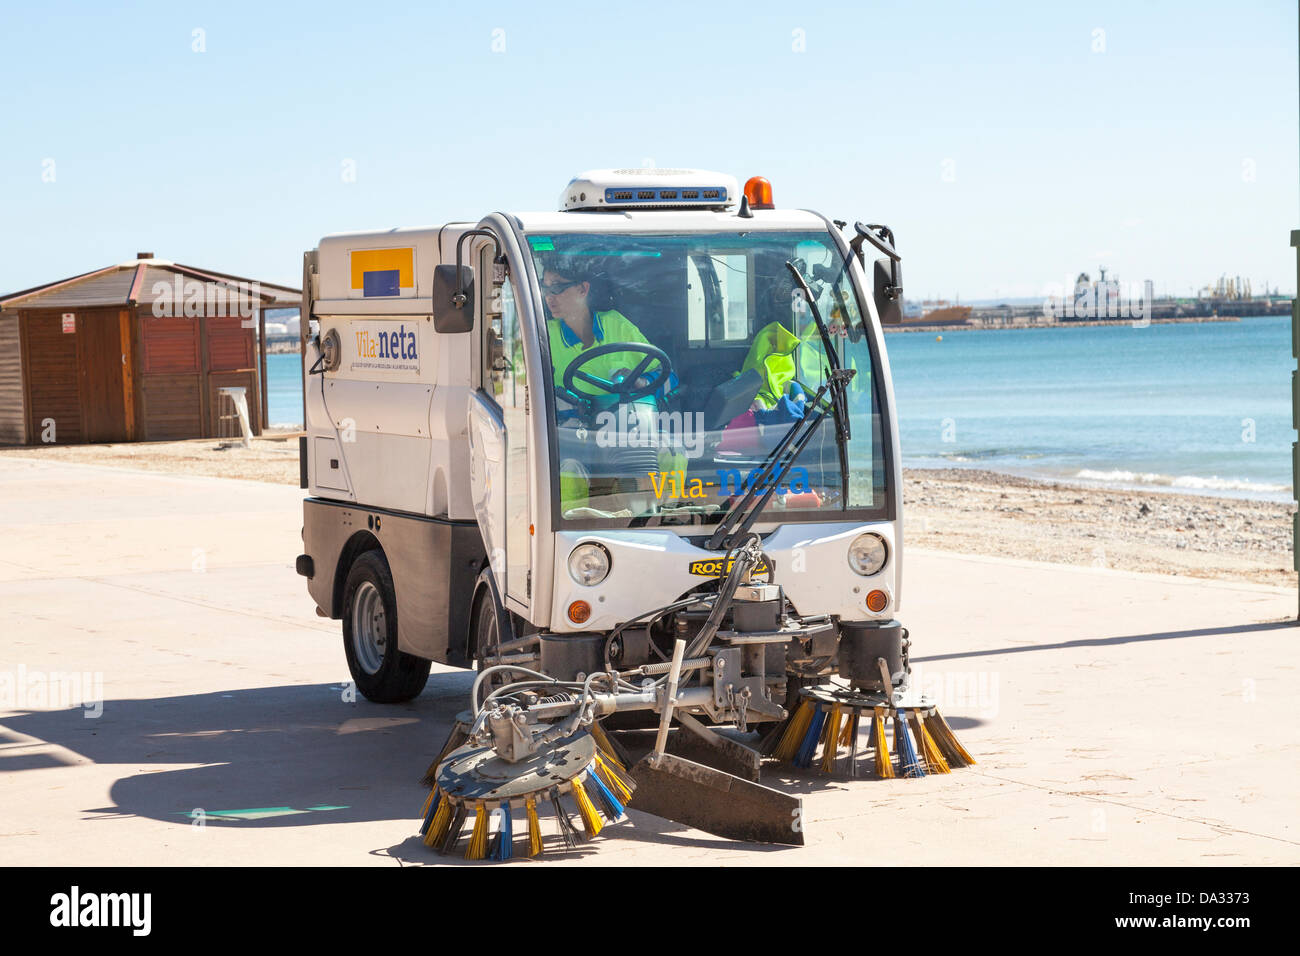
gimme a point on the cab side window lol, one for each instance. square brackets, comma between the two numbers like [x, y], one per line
[504, 350]
[717, 299]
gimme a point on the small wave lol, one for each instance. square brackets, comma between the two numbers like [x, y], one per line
[981, 454]
[1191, 482]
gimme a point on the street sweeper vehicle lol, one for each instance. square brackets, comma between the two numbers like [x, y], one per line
[635, 460]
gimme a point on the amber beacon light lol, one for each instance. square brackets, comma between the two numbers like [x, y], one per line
[759, 193]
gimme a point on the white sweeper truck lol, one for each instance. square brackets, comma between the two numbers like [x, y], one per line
[636, 460]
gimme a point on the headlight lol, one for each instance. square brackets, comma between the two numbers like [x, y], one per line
[867, 553]
[588, 564]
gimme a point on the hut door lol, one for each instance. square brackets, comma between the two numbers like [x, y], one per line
[101, 376]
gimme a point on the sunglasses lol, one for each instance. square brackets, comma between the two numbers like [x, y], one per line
[560, 288]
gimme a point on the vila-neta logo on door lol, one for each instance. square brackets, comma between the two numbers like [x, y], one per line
[386, 346]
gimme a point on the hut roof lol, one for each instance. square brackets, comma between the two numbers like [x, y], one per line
[135, 282]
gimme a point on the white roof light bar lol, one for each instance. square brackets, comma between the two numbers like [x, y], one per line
[650, 189]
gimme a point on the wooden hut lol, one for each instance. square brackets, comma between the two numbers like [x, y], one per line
[132, 352]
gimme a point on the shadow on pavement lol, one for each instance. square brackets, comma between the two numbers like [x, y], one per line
[1108, 641]
[272, 756]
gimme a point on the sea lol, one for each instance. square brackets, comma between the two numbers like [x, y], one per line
[1193, 407]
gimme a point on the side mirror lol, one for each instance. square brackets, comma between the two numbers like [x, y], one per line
[453, 299]
[888, 291]
[888, 272]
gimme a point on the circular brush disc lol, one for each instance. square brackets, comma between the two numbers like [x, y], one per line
[472, 773]
[847, 697]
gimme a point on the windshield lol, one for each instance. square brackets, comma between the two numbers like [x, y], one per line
[678, 362]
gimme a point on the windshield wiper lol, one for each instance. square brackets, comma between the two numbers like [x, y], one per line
[838, 384]
[740, 517]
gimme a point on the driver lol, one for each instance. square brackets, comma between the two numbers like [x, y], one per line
[577, 325]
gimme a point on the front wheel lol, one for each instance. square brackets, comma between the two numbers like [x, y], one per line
[382, 673]
[487, 634]
[490, 626]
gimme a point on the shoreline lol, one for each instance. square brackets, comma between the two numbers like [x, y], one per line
[1266, 494]
[1072, 324]
[962, 510]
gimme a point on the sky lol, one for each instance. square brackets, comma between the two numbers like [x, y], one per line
[1009, 145]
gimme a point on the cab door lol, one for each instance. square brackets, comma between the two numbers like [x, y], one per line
[499, 448]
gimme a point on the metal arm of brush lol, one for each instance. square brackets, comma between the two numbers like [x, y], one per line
[670, 700]
[888, 681]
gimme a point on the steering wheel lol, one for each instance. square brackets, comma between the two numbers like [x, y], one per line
[626, 390]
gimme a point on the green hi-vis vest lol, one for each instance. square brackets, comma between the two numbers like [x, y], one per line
[772, 356]
[781, 357]
[608, 327]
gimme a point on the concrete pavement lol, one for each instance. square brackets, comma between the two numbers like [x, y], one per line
[1117, 718]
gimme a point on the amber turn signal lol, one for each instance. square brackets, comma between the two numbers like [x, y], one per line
[579, 612]
[876, 602]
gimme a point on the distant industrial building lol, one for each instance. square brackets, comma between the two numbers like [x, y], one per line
[138, 351]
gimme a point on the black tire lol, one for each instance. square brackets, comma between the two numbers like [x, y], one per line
[486, 634]
[487, 623]
[382, 673]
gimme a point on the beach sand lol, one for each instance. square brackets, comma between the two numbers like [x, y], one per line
[272, 457]
[959, 510]
[982, 512]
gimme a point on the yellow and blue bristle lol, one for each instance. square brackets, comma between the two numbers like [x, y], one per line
[591, 821]
[431, 807]
[946, 741]
[808, 746]
[600, 794]
[909, 765]
[438, 817]
[785, 745]
[535, 847]
[614, 777]
[926, 745]
[884, 766]
[478, 838]
[831, 739]
[850, 740]
[503, 844]
[608, 802]
[923, 741]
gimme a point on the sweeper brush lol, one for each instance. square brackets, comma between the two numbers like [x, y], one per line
[475, 780]
[834, 729]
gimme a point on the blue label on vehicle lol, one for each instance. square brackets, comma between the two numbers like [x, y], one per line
[385, 282]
